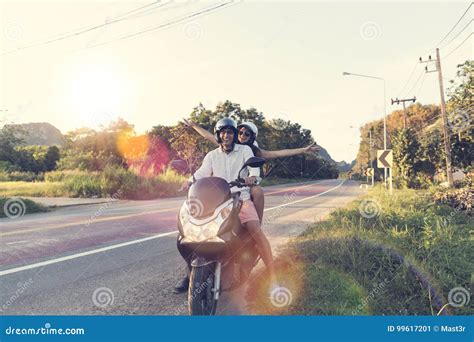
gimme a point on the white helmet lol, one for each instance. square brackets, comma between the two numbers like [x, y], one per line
[251, 126]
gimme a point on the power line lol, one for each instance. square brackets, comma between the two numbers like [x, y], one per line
[421, 131]
[174, 21]
[446, 36]
[429, 51]
[457, 47]
[429, 121]
[150, 11]
[457, 35]
[409, 78]
[118, 18]
[139, 8]
[421, 85]
[112, 17]
[416, 83]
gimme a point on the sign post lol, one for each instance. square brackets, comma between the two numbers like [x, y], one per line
[369, 172]
[385, 161]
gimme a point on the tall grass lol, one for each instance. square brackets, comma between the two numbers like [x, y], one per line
[406, 258]
[32, 189]
[112, 181]
[17, 176]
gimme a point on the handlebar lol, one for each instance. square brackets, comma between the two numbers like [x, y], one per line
[240, 183]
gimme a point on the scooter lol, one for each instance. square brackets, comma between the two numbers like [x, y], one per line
[221, 252]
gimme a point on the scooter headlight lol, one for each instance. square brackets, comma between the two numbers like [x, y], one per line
[201, 233]
[184, 214]
[210, 230]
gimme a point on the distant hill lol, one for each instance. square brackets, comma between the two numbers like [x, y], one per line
[324, 154]
[39, 133]
[345, 167]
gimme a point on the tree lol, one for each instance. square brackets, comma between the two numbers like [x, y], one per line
[8, 140]
[93, 150]
[432, 156]
[186, 144]
[405, 154]
[282, 134]
[460, 112]
[189, 146]
[51, 158]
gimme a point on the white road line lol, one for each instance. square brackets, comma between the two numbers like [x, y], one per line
[16, 242]
[128, 243]
[78, 255]
[306, 198]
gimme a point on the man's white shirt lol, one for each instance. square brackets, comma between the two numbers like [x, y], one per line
[218, 163]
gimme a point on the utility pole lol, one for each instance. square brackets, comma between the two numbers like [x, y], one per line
[397, 101]
[447, 148]
[370, 156]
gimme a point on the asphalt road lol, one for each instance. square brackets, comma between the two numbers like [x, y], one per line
[120, 258]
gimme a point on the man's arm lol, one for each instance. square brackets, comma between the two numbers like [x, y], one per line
[206, 168]
[204, 171]
[313, 148]
[204, 133]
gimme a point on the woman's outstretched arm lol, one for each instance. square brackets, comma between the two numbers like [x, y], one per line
[203, 132]
[310, 149]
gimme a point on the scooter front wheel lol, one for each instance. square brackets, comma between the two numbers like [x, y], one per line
[201, 299]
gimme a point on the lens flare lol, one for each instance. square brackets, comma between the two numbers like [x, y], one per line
[265, 298]
[145, 155]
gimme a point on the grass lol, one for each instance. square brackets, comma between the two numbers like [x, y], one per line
[17, 176]
[404, 260]
[111, 182]
[16, 207]
[331, 281]
[32, 189]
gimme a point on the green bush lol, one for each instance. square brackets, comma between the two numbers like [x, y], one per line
[19, 207]
[6, 166]
[114, 179]
[83, 186]
[4, 177]
[460, 199]
[420, 181]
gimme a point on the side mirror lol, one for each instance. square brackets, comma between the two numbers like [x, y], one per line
[254, 162]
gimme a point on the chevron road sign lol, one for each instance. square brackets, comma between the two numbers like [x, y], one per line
[384, 159]
[369, 172]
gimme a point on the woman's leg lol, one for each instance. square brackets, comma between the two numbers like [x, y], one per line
[258, 200]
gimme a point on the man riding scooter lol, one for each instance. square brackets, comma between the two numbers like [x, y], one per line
[247, 135]
[225, 162]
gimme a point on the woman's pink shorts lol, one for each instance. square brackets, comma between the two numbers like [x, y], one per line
[248, 212]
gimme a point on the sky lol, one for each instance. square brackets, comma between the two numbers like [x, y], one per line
[283, 58]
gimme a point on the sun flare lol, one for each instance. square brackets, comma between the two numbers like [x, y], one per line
[95, 93]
